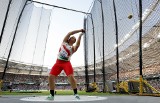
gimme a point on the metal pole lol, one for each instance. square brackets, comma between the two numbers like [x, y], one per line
[117, 49]
[59, 7]
[13, 41]
[103, 66]
[140, 48]
[85, 58]
[94, 49]
[4, 23]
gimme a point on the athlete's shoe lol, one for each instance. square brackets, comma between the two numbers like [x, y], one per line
[77, 97]
[50, 97]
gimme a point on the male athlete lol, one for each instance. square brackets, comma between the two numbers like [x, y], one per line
[63, 62]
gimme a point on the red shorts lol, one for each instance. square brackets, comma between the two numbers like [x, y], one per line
[61, 65]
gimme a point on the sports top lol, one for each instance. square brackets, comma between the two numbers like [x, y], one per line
[65, 52]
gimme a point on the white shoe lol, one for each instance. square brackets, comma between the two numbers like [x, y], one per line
[77, 96]
[50, 97]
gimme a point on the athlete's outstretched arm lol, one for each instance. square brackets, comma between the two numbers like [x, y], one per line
[72, 33]
[77, 43]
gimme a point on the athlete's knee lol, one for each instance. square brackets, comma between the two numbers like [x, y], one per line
[52, 77]
[71, 78]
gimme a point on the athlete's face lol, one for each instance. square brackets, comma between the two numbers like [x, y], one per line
[72, 39]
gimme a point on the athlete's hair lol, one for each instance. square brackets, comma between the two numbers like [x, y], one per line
[70, 38]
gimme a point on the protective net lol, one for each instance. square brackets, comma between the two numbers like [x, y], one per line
[100, 29]
[29, 24]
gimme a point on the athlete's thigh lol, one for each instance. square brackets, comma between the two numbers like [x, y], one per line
[56, 69]
[68, 69]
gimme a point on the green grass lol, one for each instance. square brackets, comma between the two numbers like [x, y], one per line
[58, 92]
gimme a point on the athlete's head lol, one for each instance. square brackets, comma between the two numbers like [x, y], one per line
[72, 40]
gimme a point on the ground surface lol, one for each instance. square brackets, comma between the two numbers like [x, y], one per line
[85, 99]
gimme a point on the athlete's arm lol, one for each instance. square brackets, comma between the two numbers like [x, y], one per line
[71, 33]
[77, 43]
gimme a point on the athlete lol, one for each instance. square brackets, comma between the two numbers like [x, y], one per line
[63, 62]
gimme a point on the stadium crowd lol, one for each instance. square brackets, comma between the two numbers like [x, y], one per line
[36, 82]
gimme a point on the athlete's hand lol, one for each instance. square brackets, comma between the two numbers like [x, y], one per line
[83, 31]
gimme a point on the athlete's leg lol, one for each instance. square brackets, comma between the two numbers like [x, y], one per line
[51, 80]
[72, 81]
[55, 71]
[68, 69]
